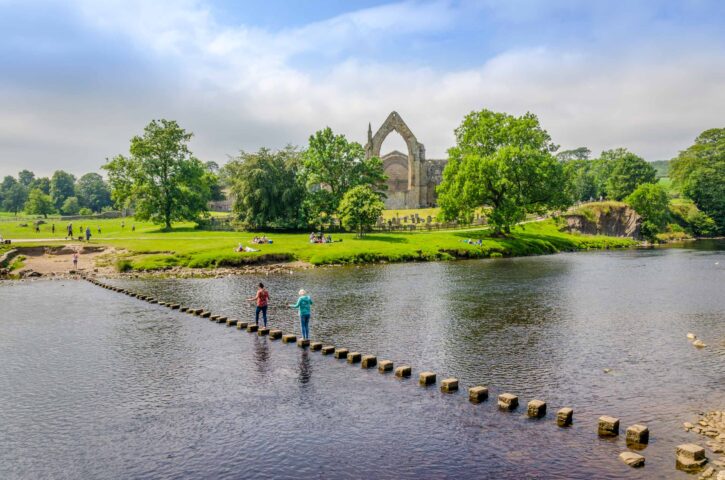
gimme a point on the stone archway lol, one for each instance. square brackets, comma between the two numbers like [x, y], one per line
[416, 191]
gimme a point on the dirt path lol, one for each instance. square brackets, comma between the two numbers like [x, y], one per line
[57, 261]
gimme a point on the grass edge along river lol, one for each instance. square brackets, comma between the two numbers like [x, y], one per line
[148, 248]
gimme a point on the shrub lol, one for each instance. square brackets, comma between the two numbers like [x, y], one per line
[85, 211]
[124, 265]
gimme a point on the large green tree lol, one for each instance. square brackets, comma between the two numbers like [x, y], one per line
[26, 177]
[503, 162]
[699, 173]
[14, 197]
[62, 186]
[161, 178]
[360, 208]
[651, 202]
[5, 186]
[93, 192]
[42, 184]
[39, 203]
[331, 166]
[266, 188]
[628, 171]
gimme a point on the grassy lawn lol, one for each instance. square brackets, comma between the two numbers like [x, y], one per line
[149, 248]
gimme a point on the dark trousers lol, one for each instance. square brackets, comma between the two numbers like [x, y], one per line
[264, 315]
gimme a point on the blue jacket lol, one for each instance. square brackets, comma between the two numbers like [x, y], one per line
[303, 304]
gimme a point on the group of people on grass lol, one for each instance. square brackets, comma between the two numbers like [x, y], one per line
[478, 242]
[303, 306]
[263, 240]
[320, 238]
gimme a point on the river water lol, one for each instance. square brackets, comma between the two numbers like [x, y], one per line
[94, 384]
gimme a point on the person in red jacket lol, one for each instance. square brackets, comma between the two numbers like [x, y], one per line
[262, 299]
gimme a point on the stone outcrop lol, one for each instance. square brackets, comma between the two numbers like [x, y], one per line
[614, 221]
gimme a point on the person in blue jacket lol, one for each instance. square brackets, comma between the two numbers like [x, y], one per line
[303, 305]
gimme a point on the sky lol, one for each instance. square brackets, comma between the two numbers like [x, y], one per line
[79, 78]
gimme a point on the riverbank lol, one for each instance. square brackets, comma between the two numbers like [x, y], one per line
[185, 251]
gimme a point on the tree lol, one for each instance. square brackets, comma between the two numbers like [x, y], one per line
[650, 201]
[628, 171]
[92, 192]
[71, 206]
[581, 180]
[42, 184]
[699, 173]
[39, 203]
[161, 178]
[14, 198]
[581, 153]
[62, 186]
[332, 166]
[26, 177]
[5, 186]
[211, 179]
[360, 208]
[503, 162]
[266, 188]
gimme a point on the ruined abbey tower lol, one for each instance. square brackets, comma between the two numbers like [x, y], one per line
[412, 179]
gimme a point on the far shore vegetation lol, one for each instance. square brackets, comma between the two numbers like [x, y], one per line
[502, 172]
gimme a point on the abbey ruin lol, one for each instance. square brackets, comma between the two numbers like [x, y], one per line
[412, 180]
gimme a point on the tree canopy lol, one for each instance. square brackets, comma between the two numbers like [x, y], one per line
[628, 171]
[331, 166]
[161, 178]
[360, 208]
[503, 162]
[62, 186]
[267, 188]
[651, 202]
[699, 172]
[92, 192]
[39, 203]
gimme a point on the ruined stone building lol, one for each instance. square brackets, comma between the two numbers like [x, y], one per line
[412, 180]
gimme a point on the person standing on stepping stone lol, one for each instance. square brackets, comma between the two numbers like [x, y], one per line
[303, 305]
[262, 299]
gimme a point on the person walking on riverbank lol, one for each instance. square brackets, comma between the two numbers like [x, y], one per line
[75, 260]
[88, 234]
[262, 299]
[304, 303]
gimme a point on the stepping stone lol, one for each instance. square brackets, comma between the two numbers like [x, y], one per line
[536, 409]
[341, 353]
[608, 426]
[289, 338]
[275, 334]
[221, 319]
[690, 457]
[303, 343]
[638, 434]
[385, 366]
[449, 385]
[241, 325]
[403, 371]
[508, 401]
[252, 327]
[327, 350]
[478, 394]
[231, 322]
[426, 378]
[315, 346]
[369, 361]
[263, 331]
[632, 459]
[205, 314]
[354, 357]
[564, 417]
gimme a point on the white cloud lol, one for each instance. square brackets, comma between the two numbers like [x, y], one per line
[238, 87]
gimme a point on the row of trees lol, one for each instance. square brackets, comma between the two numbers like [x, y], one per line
[60, 193]
[508, 165]
[289, 188]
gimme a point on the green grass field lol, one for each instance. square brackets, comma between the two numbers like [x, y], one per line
[149, 248]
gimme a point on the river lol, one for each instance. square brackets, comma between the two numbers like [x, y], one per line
[94, 384]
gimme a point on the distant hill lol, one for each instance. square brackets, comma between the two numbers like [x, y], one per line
[662, 167]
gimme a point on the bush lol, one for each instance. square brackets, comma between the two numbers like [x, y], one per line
[85, 211]
[124, 265]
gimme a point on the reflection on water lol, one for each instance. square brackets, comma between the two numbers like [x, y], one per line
[115, 387]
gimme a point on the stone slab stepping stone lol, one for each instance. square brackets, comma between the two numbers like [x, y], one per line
[315, 346]
[403, 371]
[263, 331]
[478, 394]
[608, 426]
[508, 401]
[275, 334]
[564, 416]
[252, 327]
[449, 385]
[303, 343]
[632, 459]
[327, 350]
[638, 434]
[341, 353]
[536, 409]
[385, 366]
[369, 361]
[426, 378]
[354, 357]
[289, 338]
